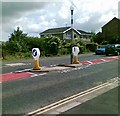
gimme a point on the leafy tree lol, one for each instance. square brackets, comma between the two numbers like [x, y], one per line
[97, 38]
[114, 40]
[52, 44]
[17, 39]
[35, 42]
[17, 35]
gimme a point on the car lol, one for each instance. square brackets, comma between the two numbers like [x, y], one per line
[100, 49]
[112, 49]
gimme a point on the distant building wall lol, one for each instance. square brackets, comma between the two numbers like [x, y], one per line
[111, 29]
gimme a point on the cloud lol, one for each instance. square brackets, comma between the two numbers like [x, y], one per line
[36, 16]
[11, 10]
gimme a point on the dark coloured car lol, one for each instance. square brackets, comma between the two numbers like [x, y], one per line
[113, 49]
[100, 49]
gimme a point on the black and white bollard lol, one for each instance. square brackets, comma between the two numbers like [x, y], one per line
[36, 54]
[75, 51]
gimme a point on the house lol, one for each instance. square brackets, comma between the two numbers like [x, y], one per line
[66, 33]
[85, 36]
[111, 29]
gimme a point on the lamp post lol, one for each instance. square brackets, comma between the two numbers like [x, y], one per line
[72, 36]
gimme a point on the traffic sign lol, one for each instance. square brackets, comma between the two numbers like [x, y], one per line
[36, 53]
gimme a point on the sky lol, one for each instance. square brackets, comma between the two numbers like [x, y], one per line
[35, 16]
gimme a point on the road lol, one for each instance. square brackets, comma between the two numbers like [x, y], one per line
[24, 95]
[106, 103]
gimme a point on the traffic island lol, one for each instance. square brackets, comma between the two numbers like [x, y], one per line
[70, 65]
[58, 67]
[49, 69]
[38, 68]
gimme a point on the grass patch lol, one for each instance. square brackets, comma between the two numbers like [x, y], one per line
[17, 56]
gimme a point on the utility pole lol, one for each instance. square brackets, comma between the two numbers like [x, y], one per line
[72, 36]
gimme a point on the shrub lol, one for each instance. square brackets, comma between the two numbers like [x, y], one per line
[91, 47]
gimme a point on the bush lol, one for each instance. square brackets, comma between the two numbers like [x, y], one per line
[51, 45]
[63, 51]
[91, 47]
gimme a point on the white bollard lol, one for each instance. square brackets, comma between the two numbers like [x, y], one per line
[36, 54]
[75, 51]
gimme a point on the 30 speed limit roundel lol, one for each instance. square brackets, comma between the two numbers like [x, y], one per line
[35, 53]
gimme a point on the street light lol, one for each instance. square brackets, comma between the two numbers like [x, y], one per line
[72, 9]
[72, 36]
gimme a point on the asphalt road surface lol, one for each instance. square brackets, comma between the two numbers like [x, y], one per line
[106, 103]
[24, 95]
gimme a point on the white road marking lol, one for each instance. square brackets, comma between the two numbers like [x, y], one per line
[52, 65]
[90, 62]
[35, 75]
[74, 69]
[25, 70]
[17, 64]
[103, 60]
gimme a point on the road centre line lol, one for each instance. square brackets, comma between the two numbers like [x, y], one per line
[71, 98]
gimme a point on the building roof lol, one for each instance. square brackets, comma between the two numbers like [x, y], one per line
[63, 30]
[118, 20]
[83, 32]
[55, 30]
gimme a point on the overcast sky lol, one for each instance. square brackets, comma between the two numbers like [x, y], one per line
[35, 16]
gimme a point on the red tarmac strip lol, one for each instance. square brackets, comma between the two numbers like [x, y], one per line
[14, 76]
[97, 61]
[84, 62]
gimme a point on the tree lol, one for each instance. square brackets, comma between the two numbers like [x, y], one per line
[114, 39]
[52, 44]
[13, 47]
[97, 38]
[35, 42]
[18, 39]
[17, 35]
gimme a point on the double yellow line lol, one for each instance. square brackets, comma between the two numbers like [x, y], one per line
[71, 98]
